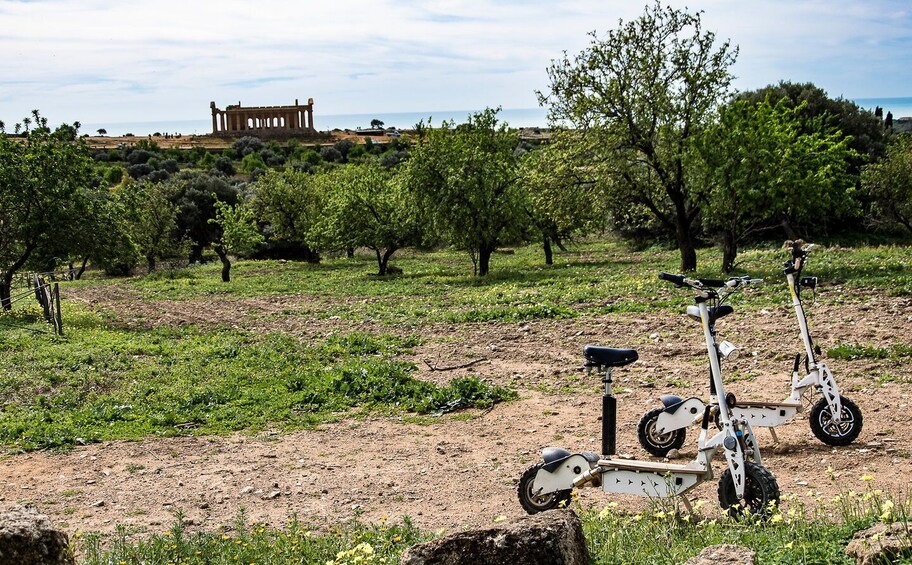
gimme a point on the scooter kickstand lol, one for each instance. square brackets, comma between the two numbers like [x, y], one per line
[773, 433]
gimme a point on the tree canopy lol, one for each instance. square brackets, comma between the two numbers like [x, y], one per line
[467, 178]
[641, 94]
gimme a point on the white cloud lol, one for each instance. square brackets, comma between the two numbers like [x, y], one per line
[102, 60]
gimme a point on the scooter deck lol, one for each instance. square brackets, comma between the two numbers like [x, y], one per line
[761, 404]
[649, 466]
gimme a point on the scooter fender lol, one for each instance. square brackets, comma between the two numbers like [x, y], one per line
[561, 476]
[679, 415]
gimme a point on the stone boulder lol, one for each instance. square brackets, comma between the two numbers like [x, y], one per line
[27, 538]
[549, 538]
[881, 543]
[724, 554]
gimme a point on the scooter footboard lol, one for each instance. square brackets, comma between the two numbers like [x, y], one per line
[563, 475]
[765, 416]
[648, 483]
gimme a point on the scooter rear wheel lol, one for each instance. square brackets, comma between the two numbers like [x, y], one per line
[652, 440]
[760, 490]
[830, 432]
[534, 503]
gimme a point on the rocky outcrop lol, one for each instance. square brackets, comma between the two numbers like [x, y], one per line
[549, 538]
[724, 554]
[881, 543]
[27, 538]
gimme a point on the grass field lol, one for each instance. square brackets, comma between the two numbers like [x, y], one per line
[120, 374]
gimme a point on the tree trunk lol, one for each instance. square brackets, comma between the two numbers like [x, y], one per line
[790, 232]
[226, 264]
[560, 244]
[682, 233]
[310, 255]
[350, 253]
[196, 254]
[383, 260]
[549, 256]
[729, 252]
[82, 268]
[484, 258]
[6, 284]
[150, 263]
[6, 291]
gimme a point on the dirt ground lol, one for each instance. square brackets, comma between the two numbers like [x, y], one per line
[461, 470]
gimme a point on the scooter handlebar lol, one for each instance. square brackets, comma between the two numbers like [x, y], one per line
[681, 280]
[676, 279]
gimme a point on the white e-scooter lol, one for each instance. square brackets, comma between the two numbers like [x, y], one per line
[834, 419]
[745, 486]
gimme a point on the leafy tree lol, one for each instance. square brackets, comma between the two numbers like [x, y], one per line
[44, 184]
[152, 217]
[102, 131]
[645, 90]
[237, 233]
[762, 169]
[889, 183]
[369, 207]
[562, 198]
[290, 203]
[194, 195]
[376, 124]
[467, 178]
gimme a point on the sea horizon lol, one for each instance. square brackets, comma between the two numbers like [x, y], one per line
[900, 107]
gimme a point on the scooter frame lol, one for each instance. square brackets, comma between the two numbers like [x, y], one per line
[834, 419]
[545, 485]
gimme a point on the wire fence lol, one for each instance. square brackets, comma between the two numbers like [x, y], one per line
[46, 290]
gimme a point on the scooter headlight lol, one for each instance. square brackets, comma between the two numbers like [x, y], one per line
[728, 350]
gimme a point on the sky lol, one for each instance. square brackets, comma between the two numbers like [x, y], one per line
[118, 61]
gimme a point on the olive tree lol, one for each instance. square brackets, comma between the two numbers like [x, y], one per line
[290, 203]
[467, 178]
[45, 183]
[762, 170]
[646, 89]
[889, 183]
[562, 198]
[237, 233]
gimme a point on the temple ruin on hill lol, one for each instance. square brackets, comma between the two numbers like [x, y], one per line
[263, 121]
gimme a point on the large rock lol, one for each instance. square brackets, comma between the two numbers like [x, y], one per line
[881, 543]
[27, 538]
[724, 554]
[549, 538]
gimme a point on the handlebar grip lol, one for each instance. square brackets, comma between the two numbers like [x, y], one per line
[676, 279]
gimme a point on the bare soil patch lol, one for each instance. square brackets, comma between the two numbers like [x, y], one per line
[461, 470]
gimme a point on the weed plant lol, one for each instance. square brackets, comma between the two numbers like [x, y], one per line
[806, 529]
[104, 383]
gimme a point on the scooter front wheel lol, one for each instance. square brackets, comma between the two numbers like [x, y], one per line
[835, 433]
[655, 442]
[534, 503]
[760, 491]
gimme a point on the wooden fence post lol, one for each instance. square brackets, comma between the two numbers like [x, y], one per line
[58, 320]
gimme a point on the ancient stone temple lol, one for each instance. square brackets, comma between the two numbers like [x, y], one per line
[263, 120]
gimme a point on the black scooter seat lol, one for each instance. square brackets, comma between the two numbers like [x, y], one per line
[608, 356]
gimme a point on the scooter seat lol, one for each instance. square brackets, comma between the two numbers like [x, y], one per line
[608, 356]
[715, 312]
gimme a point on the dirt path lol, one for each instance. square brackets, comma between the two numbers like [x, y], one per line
[461, 470]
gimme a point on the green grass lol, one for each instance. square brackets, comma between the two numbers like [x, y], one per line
[793, 534]
[596, 277]
[861, 351]
[104, 383]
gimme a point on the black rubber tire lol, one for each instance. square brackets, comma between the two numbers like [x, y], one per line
[654, 442]
[828, 432]
[535, 504]
[760, 489]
